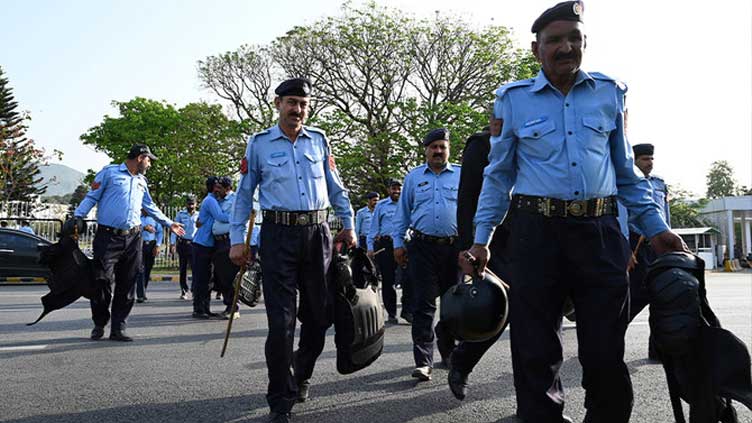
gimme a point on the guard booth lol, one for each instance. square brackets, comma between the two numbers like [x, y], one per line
[702, 241]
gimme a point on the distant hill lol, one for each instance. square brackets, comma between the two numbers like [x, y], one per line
[62, 179]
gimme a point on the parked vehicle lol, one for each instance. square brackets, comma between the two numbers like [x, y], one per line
[19, 254]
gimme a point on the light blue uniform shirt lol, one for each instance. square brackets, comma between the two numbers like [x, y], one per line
[27, 229]
[363, 221]
[566, 147]
[120, 196]
[210, 211]
[255, 235]
[659, 192]
[428, 203]
[222, 228]
[189, 224]
[383, 221]
[147, 236]
[290, 176]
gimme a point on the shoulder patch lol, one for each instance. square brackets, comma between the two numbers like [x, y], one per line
[506, 87]
[602, 77]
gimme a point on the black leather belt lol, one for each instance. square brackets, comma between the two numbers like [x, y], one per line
[121, 232]
[554, 207]
[295, 218]
[187, 241]
[221, 237]
[440, 240]
[384, 238]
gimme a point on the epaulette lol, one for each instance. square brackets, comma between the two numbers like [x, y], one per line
[601, 77]
[521, 83]
[320, 132]
[660, 178]
[253, 137]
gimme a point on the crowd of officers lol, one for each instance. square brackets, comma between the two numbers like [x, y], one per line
[538, 201]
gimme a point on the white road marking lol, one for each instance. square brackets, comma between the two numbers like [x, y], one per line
[24, 348]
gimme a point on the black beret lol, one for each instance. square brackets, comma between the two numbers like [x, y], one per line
[564, 11]
[372, 194]
[225, 181]
[436, 134]
[643, 150]
[395, 182]
[190, 199]
[300, 87]
[139, 149]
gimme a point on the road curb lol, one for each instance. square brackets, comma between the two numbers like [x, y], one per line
[17, 280]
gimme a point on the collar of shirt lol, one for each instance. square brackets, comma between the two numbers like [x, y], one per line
[447, 168]
[541, 81]
[276, 133]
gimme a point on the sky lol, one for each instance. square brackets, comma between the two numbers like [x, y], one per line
[687, 64]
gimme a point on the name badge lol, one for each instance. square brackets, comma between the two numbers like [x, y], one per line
[278, 154]
[535, 121]
[423, 183]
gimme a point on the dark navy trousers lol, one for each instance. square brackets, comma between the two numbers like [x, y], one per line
[185, 256]
[388, 269]
[550, 259]
[433, 270]
[201, 266]
[294, 259]
[117, 260]
[224, 271]
[639, 297]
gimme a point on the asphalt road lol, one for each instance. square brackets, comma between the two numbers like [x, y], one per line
[52, 372]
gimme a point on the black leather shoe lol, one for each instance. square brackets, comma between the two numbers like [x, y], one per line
[408, 317]
[457, 383]
[120, 335]
[200, 315]
[279, 417]
[303, 390]
[97, 333]
[422, 373]
[564, 419]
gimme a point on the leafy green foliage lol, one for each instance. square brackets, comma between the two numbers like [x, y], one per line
[381, 80]
[720, 180]
[20, 158]
[685, 212]
[191, 143]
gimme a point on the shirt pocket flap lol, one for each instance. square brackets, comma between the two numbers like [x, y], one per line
[277, 162]
[537, 131]
[599, 124]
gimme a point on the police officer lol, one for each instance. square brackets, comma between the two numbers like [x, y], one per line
[224, 269]
[363, 218]
[293, 167]
[203, 248]
[151, 239]
[428, 205]
[645, 254]
[120, 191]
[380, 239]
[562, 153]
[183, 245]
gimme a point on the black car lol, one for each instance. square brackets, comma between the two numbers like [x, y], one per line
[19, 254]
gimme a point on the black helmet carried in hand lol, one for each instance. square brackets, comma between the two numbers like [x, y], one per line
[475, 309]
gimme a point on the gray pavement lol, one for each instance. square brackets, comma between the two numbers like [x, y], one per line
[52, 372]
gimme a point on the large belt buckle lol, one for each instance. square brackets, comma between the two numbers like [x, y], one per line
[544, 206]
[577, 208]
[302, 219]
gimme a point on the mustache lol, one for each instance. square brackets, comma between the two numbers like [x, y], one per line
[565, 56]
[438, 155]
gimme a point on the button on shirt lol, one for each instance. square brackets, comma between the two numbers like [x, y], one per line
[148, 236]
[226, 204]
[210, 211]
[189, 224]
[121, 196]
[291, 176]
[383, 221]
[428, 203]
[566, 147]
[363, 221]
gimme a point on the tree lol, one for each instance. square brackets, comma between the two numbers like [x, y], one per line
[381, 80]
[191, 143]
[720, 180]
[20, 158]
[685, 212]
